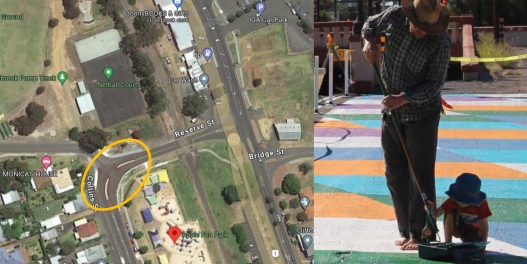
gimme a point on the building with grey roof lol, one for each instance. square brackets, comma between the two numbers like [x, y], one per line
[289, 130]
[49, 235]
[180, 30]
[91, 255]
[85, 103]
[82, 87]
[10, 197]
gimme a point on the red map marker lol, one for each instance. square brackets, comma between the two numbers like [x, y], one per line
[174, 233]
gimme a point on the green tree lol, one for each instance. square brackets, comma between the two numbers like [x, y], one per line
[156, 100]
[7, 212]
[147, 32]
[232, 18]
[291, 184]
[138, 235]
[277, 191]
[74, 134]
[305, 167]
[36, 113]
[148, 83]
[131, 2]
[283, 204]
[93, 139]
[294, 203]
[257, 82]
[143, 250]
[244, 248]
[287, 217]
[129, 44]
[230, 194]
[268, 199]
[67, 248]
[51, 249]
[194, 105]
[71, 13]
[141, 65]
[272, 210]
[40, 90]
[53, 23]
[240, 233]
[23, 125]
[291, 229]
[301, 217]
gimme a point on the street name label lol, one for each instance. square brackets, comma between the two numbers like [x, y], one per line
[265, 154]
[118, 85]
[90, 190]
[195, 128]
[28, 78]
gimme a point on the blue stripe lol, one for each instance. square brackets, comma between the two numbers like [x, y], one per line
[455, 125]
[443, 155]
[375, 185]
[513, 119]
[477, 144]
[494, 156]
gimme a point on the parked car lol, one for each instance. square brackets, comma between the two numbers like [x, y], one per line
[278, 218]
[167, 60]
[169, 37]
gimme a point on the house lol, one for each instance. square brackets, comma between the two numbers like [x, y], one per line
[87, 231]
[289, 130]
[18, 255]
[62, 183]
[74, 206]
[91, 255]
[163, 259]
[55, 259]
[40, 183]
[51, 222]
[155, 238]
[49, 235]
[10, 197]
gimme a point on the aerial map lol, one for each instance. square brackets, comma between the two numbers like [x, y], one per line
[159, 131]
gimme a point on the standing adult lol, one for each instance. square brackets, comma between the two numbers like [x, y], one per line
[417, 52]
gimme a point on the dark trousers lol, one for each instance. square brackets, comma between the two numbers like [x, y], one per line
[421, 143]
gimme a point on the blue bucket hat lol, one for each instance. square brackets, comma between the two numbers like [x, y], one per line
[466, 189]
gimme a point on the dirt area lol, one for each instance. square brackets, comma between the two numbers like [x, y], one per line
[279, 174]
[265, 125]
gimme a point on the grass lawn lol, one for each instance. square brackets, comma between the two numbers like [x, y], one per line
[184, 189]
[215, 175]
[67, 238]
[148, 127]
[47, 193]
[41, 213]
[286, 91]
[22, 48]
[33, 246]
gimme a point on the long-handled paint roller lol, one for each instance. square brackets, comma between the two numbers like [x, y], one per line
[426, 233]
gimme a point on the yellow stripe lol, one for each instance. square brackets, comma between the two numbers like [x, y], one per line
[518, 57]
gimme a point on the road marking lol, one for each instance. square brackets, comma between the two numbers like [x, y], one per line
[106, 189]
[225, 66]
[124, 163]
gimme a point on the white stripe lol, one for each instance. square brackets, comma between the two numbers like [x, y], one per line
[340, 111]
[349, 142]
[515, 166]
[515, 102]
[501, 95]
[367, 235]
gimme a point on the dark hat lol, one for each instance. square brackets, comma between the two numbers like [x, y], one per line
[466, 189]
[428, 15]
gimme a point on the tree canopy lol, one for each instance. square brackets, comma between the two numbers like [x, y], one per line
[194, 105]
[230, 194]
[291, 184]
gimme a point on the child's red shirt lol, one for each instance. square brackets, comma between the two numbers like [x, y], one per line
[469, 215]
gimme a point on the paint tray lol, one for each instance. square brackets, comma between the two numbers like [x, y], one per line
[456, 252]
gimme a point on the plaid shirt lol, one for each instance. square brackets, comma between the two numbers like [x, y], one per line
[416, 67]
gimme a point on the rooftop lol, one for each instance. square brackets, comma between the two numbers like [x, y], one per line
[98, 45]
[88, 229]
[10, 197]
[62, 182]
[85, 103]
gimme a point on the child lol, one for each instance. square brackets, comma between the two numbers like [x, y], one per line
[466, 210]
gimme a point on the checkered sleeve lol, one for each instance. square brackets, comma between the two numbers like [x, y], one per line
[377, 23]
[435, 78]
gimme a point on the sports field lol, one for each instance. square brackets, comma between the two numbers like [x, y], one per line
[22, 49]
[483, 134]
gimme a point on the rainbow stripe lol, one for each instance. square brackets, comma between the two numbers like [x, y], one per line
[483, 134]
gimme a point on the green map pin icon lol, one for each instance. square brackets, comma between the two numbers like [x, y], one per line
[62, 77]
[108, 72]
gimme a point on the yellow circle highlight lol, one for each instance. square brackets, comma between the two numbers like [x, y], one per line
[104, 209]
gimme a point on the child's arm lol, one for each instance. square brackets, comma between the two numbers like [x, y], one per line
[484, 229]
[436, 212]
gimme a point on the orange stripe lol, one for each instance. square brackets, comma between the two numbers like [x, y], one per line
[482, 134]
[489, 107]
[337, 124]
[350, 205]
[443, 169]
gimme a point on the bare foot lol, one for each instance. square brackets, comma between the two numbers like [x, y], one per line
[401, 242]
[410, 245]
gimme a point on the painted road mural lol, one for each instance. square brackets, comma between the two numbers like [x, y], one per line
[482, 134]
